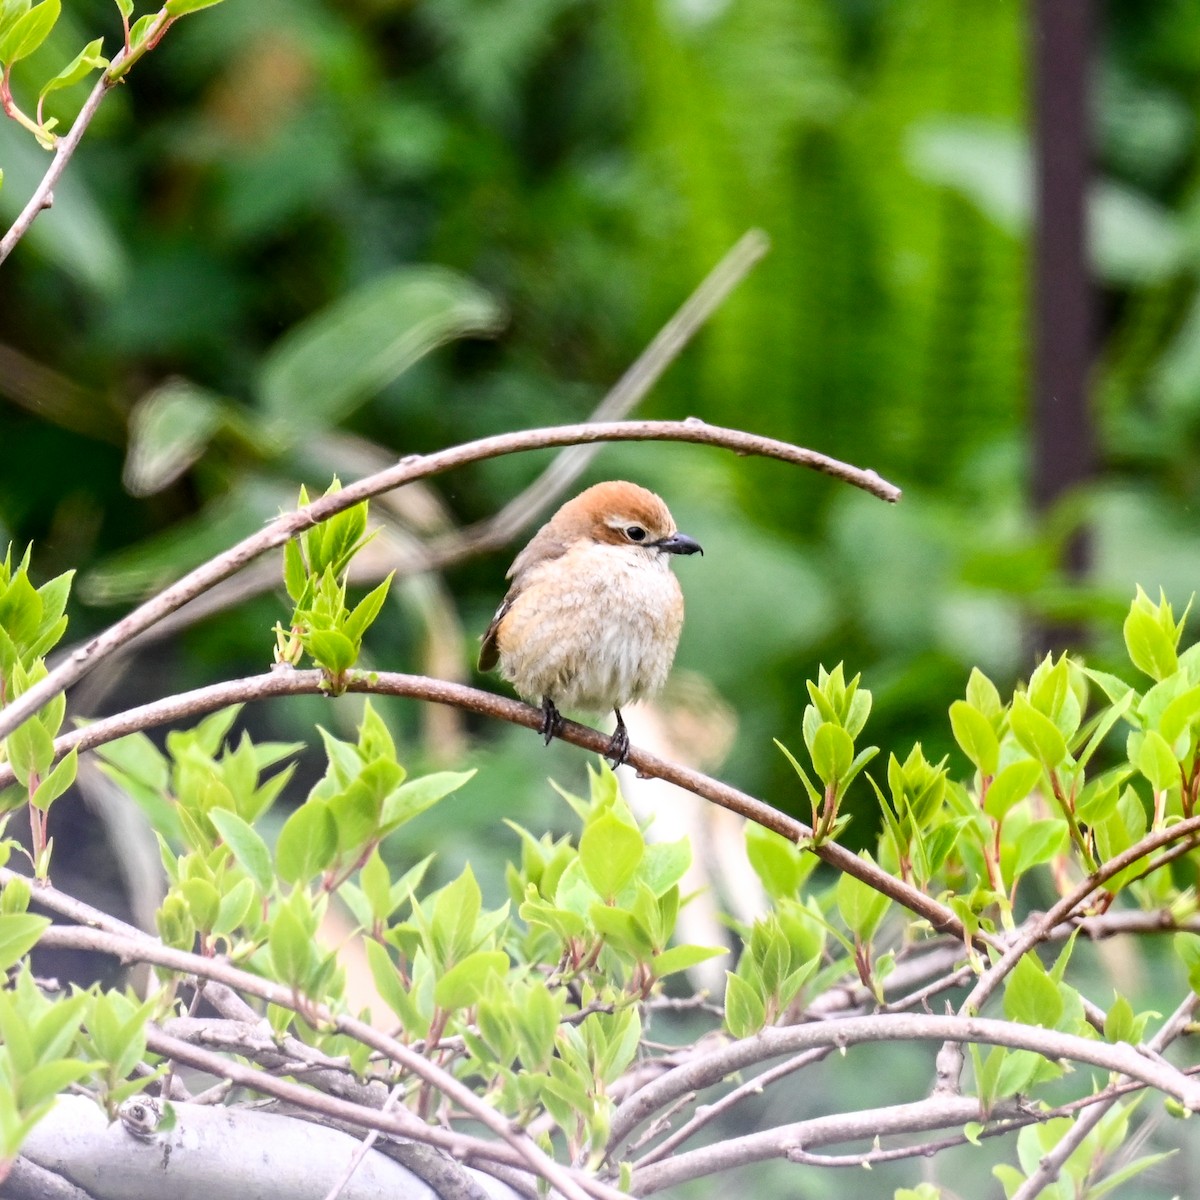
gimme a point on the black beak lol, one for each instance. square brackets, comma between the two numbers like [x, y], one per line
[679, 543]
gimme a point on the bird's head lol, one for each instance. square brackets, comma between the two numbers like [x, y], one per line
[619, 513]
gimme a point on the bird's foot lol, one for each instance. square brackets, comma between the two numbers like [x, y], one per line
[618, 744]
[552, 721]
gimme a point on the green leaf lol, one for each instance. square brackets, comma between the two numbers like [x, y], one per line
[181, 8]
[683, 958]
[307, 843]
[203, 901]
[19, 933]
[975, 735]
[30, 750]
[1037, 734]
[779, 863]
[1156, 761]
[1151, 637]
[57, 782]
[29, 32]
[330, 649]
[744, 1010]
[1039, 842]
[235, 906]
[609, 852]
[860, 905]
[87, 60]
[1011, 786]
[414, 797]
[246, 846]
[364, 613]
[832, 753]
[330, 364]
[170, 428]
[1119, 1024]
[291, 947]
[464, 983]
[1031, 996]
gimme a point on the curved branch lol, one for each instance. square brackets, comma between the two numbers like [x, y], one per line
[290, 682]
[416, 466]
[886, 1027]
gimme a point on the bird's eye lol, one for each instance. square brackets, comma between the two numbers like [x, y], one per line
[635, 533]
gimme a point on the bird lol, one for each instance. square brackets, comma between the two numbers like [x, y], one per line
[593, 613]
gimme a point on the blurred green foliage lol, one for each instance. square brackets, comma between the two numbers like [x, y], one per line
[273, 226]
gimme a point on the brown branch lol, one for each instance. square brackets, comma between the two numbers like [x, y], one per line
[280, 530]
[290, 682]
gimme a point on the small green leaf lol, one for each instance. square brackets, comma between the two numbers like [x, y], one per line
[832, 753]
[976, 737]
[87, 60]
[1037, 734]
[744, 1010]
[1156, 761]
[1031, 996]
[307, 843]
[1151, 637]
[290, 946]
[180, 8]
[29, 32]
[860, 905]
[246, 846]
[683, 958]
[464, 983]
[57, 782]
[235, 907]
[414, 797]
[1039, 842]
[609, 852]
[1011, 786]
[19, 933]
[331, 650]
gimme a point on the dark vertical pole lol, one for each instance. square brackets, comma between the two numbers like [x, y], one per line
[1063, 439]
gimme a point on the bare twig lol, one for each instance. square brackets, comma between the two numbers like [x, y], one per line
[775, 1041]
[363, 1149]
[416, 466]
[43, 196]
[289, 682]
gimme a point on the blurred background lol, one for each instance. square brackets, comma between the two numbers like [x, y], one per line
[309, 237]
[268, 231]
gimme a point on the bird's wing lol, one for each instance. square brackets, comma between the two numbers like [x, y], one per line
[489, 652]
[543, 547]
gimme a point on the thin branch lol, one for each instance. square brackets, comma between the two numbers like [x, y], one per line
[43, 196]
[707, 1113]
[787, 1140]
[364, 1148]
[291, 682]
[776, 1041]
[280, 530]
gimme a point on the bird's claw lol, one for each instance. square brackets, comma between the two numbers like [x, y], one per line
[552, 721]
[618, 744]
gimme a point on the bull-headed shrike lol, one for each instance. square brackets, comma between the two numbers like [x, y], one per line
[592, 616]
